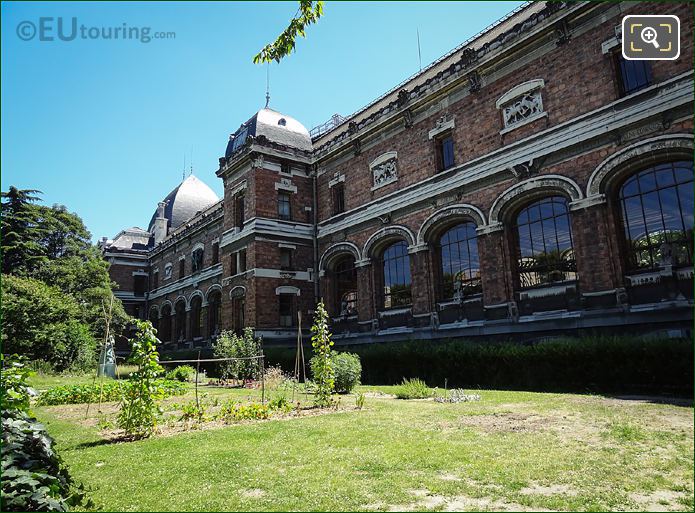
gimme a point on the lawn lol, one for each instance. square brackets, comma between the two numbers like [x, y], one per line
[510, 450]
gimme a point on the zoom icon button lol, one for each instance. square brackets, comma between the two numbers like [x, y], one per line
[651, 38]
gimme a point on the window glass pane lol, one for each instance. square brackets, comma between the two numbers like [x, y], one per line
[459, 262]
[396, 263]
[658, 221]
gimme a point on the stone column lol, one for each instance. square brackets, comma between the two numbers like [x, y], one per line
[420, 274]
[595, 241]
[365, 290]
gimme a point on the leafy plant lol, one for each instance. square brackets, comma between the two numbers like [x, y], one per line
[14, 394]
[322, 368]
[280, 403]
[139, 409]
[413, 389]
[359, 400]
[108, 390]
[33, 475]
[348, 371]
[233, 411]
[197, 411]
[274, 378]
[245, 348]
[181, 373]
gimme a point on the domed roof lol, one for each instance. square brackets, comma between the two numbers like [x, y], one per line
[189, 197]
[277, 127]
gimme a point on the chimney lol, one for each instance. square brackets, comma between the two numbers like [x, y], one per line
[160, 224]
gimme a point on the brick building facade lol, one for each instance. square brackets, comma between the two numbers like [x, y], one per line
[529, 182]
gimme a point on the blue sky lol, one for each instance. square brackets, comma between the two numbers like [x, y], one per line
[103, 126]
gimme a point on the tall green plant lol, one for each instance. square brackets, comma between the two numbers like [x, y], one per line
[14, 394]
[139, 409]
[245, 347]
[322, 365]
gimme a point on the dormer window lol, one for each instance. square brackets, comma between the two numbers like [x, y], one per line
[282, 122]
[522, 104]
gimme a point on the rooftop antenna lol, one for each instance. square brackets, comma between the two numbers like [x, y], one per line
[419, 54]
[267, 86]
[183, 172]
[191, 160]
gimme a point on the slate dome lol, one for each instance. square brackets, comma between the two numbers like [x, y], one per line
[189, 197]
[276, 127]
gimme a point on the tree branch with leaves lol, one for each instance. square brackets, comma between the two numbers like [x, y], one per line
[308, 13]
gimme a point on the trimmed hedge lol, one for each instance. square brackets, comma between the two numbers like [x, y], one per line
[590, 364]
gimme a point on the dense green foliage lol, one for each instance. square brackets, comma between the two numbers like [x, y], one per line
[13, 382]
[139, 409]
[413, 388]
[55, 284]
[181, 373]
[244, 347]
[107, 390]
[347, 370]
[596, 364]
[322, 365]
[33, 475]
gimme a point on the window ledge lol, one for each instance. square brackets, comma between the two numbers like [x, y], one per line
[533, 118]
[395, 311]
[549, 290]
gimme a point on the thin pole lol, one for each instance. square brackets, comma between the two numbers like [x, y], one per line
[262, 378]
[197, 370]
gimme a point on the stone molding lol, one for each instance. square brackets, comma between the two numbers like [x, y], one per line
[462, 210]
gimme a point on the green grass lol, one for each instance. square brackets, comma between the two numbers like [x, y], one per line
[511, 449]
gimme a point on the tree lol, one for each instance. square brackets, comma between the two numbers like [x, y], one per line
[43, 323]
[245, 347]
[20, 229]
[308, 13]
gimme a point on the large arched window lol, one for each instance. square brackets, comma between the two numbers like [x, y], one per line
[165, 331]
[396, 276]
[460, 265]
[196, 316]
[214, 313]
[657, 214]
[544, 250]
[180, 321]
[345, 286]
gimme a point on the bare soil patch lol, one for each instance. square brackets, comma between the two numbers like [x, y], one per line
[427, 500]
[660, 500]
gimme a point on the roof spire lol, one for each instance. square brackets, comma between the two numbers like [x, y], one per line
[267, 86]
[183, 171]
[191, 161]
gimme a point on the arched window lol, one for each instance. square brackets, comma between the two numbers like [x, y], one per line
[544, 250]
[214, 313]
[180, 322]
[396, 276]
[197, 260]
[345, 286]
[165, 331]
[154, 319]
[657, 214]
[460, 265]
[196, 317]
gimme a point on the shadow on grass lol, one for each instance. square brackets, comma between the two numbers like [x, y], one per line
[655, 399]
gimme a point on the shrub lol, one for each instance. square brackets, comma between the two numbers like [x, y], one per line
[43, 323]
[413, 389]
[230, 345]
[181, 373]
[139, 409]
[348, 371]
[280, 403]
[611, 364]
[322, 369]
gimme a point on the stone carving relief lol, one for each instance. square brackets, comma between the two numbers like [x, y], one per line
[384, 169]
[521, 109]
